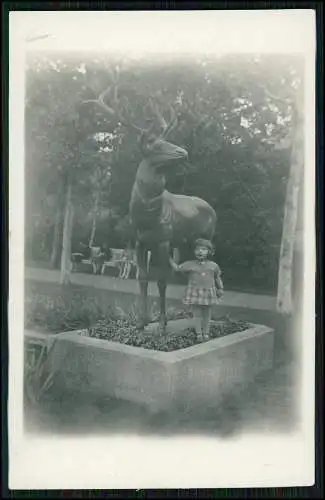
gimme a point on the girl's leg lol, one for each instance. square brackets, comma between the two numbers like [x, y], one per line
[197, 316]
[206, 318]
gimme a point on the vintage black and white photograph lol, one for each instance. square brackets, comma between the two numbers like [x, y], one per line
[166, 248]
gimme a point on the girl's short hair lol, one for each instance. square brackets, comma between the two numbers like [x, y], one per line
[201, 242]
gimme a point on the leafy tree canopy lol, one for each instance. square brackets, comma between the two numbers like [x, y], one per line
[234, 117]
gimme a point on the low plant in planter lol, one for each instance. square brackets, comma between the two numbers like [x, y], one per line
[124, 331]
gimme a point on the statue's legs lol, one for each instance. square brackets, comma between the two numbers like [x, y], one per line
[176, 255]
[141, 255]
[162, 285]
[164, 268]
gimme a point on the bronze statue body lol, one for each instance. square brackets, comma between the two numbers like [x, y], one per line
[161, 220]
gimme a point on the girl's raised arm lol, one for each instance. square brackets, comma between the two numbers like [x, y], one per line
[184, 267]
[173, 264]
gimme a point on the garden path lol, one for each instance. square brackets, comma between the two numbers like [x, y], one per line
[232, 299]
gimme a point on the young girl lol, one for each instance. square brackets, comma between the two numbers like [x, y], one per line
[204, 287]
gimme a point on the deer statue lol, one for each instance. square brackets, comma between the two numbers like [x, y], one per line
[162, 221]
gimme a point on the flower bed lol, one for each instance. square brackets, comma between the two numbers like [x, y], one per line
[113, 359]
[98, 350]
[124, 331]
[183, 378]
[72, 310]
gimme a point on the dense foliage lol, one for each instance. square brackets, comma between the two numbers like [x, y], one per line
[229, 120]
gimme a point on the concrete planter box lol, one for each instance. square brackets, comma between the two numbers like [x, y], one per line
[183, 379]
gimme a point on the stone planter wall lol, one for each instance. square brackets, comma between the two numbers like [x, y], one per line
[183, 379]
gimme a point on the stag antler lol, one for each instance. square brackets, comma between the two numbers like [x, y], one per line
[172, 122]
[166, 127]
[116, 111]
[113, 112]
[101, 103]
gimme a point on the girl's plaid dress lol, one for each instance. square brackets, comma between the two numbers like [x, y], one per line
[201, 288]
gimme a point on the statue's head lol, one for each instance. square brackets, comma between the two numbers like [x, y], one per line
[158, 151]
[153, 140]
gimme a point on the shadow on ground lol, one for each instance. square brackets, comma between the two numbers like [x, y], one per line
[268, 405]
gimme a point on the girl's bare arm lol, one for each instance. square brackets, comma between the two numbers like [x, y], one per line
[174, 265]
[184, 267]
[219, 282]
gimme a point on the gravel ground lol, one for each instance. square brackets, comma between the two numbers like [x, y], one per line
[268, 404]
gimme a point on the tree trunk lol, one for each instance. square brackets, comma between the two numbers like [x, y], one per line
[93, 231]
[94, 222]
[284, 294]
[66, 241]
[56, 237]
